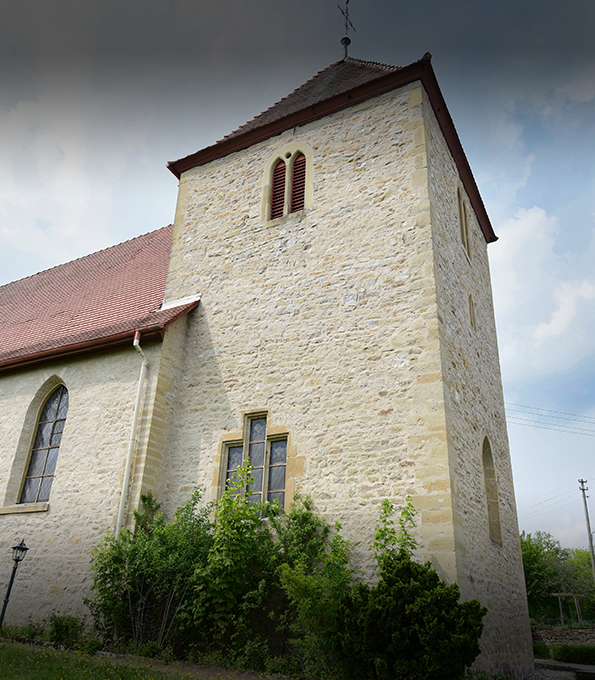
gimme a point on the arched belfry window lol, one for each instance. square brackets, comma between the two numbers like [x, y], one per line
[278, 190]
[44, 453]
[288, 184]
[298, 183]
[491, 487]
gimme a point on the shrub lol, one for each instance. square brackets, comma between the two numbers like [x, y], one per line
[143, 580]
[541, 650]
[410, 624]
[574, 653]
[65, 630]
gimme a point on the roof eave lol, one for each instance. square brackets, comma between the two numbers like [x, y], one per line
[148, 334]
[419, 70]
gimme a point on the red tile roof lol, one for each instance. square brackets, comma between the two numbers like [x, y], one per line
[340, 85]
[88, 305]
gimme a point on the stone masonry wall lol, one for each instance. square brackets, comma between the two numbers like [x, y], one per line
[475, 409]
[325, 318]
[83, 505]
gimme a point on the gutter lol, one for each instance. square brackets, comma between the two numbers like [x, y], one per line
[135, 419]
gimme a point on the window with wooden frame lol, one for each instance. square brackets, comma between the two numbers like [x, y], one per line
[267, 454]
[464, 224]
[46, 445]
[288, 184]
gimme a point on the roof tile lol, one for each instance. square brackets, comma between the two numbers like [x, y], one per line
[113, 291]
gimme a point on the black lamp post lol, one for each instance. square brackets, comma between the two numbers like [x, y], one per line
[18, 555]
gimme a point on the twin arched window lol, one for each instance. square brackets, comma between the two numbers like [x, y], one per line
[288, 185]
[44, 454]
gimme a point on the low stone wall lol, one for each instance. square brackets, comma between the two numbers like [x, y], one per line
[563, 635]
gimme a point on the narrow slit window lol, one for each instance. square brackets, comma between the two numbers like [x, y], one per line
[44, 454]
[464, 225]
[472, 313]
[298, 183]
[491, 487]
[278, 191]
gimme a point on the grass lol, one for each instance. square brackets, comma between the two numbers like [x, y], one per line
[23, 663]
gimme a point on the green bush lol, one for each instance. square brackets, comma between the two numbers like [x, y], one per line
[262, 589]
[143, 584]
[541, 651]
[65, 630]
[574, 653]
[410, 624]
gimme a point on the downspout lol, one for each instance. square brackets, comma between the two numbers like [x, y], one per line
[135, 419]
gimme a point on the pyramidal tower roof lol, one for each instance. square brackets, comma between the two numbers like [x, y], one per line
[339, 86]
[335, 79]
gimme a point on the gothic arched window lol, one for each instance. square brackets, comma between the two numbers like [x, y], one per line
[44, 454]
[298, 183]
[278, 191]
[288, 183]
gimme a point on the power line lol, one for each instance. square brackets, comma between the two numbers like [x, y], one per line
[553, 491]
[544, 511]
[556, 427]
[570, 416]
[549, 499]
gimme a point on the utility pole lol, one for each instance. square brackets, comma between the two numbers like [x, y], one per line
[582, 483]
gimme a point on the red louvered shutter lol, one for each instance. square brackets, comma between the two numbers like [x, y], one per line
[278, 190]
[298, 183]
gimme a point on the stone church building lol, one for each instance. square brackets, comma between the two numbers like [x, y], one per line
[322, 300]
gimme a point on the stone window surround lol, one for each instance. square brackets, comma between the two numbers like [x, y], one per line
[294, 463]
[288, 153]
[22, 456]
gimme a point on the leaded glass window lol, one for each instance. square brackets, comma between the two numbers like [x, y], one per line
[44, 454]
[268, 457]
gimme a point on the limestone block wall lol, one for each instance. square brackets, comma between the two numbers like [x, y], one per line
[474, 404]
[326, 318]
[85, 494]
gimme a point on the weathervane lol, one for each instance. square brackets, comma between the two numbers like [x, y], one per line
[345, 41]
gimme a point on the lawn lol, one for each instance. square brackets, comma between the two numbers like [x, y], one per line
[19, 662]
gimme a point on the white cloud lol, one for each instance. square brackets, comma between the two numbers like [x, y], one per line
[545, 309]
[62, 157]
[568, 296]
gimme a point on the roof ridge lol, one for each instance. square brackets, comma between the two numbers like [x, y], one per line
[84, 257]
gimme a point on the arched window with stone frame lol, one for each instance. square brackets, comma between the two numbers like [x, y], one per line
[288, 182]
[41, 467]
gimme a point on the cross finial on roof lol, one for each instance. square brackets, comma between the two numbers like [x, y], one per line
[345, 41]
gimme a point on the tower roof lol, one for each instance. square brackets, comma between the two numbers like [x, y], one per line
[339, 86]
[89, 305]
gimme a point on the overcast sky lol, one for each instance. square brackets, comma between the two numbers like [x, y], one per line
[96, 96]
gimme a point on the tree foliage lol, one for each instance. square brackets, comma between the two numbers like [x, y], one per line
[549, 569]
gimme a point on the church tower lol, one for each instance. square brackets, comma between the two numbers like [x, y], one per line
[345, 338]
